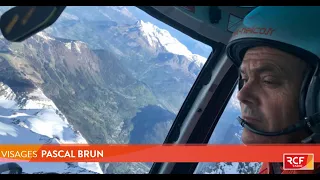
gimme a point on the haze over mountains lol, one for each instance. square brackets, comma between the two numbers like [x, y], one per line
[114, 75]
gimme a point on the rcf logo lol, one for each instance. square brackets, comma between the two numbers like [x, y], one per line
[298, 161]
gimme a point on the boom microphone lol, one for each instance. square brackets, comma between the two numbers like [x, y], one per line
[288, 130]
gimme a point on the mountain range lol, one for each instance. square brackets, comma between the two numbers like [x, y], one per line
[29, 117]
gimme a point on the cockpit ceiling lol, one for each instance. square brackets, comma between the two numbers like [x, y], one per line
[214, 22]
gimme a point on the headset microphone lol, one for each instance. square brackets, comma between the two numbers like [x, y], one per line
[288, 130]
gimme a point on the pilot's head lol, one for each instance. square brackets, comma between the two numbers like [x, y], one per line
[269, 97]
[277, 53]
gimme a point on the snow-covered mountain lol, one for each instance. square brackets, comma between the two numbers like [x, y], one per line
[158, 59]
[149, 53]
[32, 118]
[229, 168]
[161, 38]
[91, 88]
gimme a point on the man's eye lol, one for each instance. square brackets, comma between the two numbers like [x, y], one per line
[269, 80]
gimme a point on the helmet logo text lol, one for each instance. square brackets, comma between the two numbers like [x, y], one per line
[254, 30]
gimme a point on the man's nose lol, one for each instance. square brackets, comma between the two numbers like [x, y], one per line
[246, 95]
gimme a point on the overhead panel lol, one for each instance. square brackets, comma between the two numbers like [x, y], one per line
[216, 23]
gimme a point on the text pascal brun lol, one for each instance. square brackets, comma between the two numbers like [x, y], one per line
[53, 154]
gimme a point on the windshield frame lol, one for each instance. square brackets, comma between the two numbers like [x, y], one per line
[197, 128]
[202, 123]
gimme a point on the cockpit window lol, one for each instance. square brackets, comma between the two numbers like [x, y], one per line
[228, 131]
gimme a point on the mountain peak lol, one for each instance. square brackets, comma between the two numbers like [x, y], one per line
[161, 38]
[44, 36]
[39, 121]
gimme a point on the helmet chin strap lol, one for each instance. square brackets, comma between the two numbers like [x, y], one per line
[306, 122]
